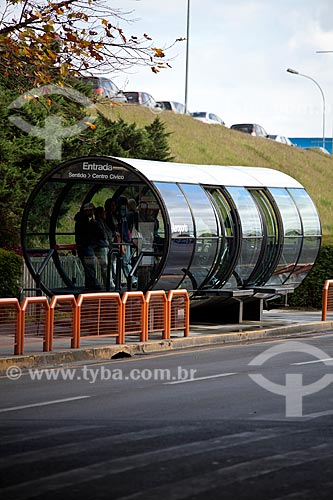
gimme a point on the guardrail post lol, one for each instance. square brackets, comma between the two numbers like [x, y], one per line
[99, 314]
[7, 306]
[39, 301]
[182, 320]
[327, 300]
[59, 299]
[157, 317]
[134, 314]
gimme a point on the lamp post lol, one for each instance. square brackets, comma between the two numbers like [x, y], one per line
[187, 51]
[294, 72]
[327, 52]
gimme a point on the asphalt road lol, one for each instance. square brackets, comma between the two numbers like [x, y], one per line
[193, 424]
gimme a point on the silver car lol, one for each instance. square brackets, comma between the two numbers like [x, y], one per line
[206, 117]
[281, 138]
[176, 107]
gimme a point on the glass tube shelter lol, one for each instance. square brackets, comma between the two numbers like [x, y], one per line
[226, 234]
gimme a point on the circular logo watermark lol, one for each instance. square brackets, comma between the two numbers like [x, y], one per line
[293, 390]
[53, 131]
[13, 372]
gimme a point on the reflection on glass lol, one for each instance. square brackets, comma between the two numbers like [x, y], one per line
[288, 260]
[204, 216]
[270, 250]
[310, 249]
[248, 259]
[178, 210]
[182, 238]
[206, 230]
[228, 244]
[308, 211]
[248, 212]
[252, 234]
[290, 217]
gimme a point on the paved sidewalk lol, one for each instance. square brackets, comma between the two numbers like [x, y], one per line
[275, 323]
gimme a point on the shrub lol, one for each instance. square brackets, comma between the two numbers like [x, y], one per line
[10, 273]
[309, 293]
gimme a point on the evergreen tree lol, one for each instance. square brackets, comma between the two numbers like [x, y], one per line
[159, 149]
[22, 156]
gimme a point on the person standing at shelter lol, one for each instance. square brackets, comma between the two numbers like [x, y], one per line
[122, 204]
[111, 216]
[103, 244]
[84, 239]
[132, 215]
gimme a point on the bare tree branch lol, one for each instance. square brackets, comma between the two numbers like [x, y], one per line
[69, 36]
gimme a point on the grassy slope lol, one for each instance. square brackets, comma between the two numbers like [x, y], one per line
[194, 142]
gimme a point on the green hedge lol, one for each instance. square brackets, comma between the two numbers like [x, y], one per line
[309, 293]
[10, 274]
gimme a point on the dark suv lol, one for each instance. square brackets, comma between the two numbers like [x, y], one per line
[104, 87]
[250, 128]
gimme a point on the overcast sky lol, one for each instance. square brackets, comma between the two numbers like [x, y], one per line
[239, 51]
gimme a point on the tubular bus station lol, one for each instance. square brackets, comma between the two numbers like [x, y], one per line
[233, 237]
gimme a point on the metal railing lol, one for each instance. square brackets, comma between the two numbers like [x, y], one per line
[41, 322]
[327, 300]
[99, 314]
[178, 312]
[10, 324]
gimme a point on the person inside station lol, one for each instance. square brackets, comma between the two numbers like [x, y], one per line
[103, 239]
[132, 215]
[116, 210]
[111, 215]
[126, 237]
[85, 240]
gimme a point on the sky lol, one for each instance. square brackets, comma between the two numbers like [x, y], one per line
[239, 51]
[238, 55]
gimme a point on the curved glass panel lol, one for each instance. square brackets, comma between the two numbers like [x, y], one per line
[204, 216]
[311, 234]
[251, 237]
[182, 242]
[310, 249]
[206, 231]
[292, 232]
[229, 244]
[291, 221]
[271, 247]
[308, 212]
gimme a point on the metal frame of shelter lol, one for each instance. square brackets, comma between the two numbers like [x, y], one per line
[231, 236]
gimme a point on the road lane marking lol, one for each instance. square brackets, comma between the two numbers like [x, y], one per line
[44, 403]
[329, 360]
[318, 414]
[196, 379]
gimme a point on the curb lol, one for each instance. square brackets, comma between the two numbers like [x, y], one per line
[47, 359]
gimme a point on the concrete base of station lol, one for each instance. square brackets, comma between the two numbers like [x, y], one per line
[231, 311]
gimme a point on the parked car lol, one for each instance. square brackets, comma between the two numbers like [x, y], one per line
[176, 107]
[206, 117]
[104, 87]
[142, 98]
[250, 128]
[281, 138]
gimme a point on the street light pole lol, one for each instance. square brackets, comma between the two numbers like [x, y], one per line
[294, 72]
[187, 52]
[327, 52]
